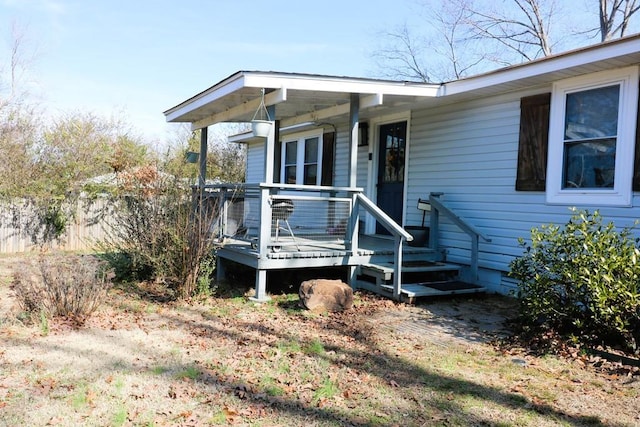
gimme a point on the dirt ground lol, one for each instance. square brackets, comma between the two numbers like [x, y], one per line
[229, 362]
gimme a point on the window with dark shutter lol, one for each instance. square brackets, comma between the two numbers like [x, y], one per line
[277, 152]
[636, 164]
[328, 156]
[533, 142]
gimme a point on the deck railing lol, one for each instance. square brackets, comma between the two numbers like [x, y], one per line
[275, 217]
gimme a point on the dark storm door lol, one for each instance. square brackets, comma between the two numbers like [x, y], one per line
[391, 161]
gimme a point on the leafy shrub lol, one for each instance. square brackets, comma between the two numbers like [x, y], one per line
[63, 286]
[581, 280]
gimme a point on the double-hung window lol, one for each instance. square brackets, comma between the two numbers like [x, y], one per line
[592, 137]
[302, 160]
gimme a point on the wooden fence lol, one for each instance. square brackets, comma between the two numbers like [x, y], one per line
[82, 232]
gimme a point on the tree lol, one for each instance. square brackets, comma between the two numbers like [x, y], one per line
[615, 17]
[402, 57]
[464, 36]
[79, 146]
[523, 29]
[21, 56]
[225, 160]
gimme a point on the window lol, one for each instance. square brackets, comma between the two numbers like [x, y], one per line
[302, 160]
[592, 138]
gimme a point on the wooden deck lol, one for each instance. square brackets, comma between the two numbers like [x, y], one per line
[298, 253]
[319, 229]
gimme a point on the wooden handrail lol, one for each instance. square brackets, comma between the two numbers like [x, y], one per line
[455, 218]
[397, 231]
[475, 234]
[384, 219]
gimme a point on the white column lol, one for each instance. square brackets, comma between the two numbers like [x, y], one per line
[354, 121]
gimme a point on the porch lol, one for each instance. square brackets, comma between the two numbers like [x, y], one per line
[289, 227]
[318, 176]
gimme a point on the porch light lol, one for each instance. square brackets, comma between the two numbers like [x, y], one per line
[261, 122]
[363, 134]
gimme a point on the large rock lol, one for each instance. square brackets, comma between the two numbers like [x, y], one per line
[325, 294]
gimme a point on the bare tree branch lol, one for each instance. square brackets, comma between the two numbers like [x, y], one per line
[524, 31]
[466, 35]
[401, 58]
[451, 24]
[21, 56]
[610, 25]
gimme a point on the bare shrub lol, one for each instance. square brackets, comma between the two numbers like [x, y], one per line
[159, 232]
[63, 286]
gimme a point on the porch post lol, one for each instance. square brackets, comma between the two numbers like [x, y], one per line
[434, 223]
[265, 208]
[202, 175]
[269, 147]
[475, 239]
[397, 269]
[354, 118]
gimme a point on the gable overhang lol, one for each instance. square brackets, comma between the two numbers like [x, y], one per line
[613, 54]
[299, 98]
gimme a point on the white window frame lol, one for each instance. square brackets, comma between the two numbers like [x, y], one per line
[300, 139]
[621, 193]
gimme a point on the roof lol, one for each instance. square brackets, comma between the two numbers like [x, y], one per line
[237, 97]
[309, 97]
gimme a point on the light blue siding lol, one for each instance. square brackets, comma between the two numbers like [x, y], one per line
[469, 152]
[255, 162]
[342, 160]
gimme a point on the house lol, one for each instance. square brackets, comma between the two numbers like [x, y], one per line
[485, 158]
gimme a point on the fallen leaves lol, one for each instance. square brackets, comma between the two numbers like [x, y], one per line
[254, 365]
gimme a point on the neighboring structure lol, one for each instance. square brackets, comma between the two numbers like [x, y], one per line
[503, 152]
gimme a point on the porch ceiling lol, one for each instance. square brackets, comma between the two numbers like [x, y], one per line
[299, 98]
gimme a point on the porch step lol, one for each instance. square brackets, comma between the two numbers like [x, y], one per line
[419, 279]
[453, 287]
[383, 272]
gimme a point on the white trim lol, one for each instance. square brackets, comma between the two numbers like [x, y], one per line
[338, 84]
[621, 193]
[374, 152]
[300, 140]
[561, 62]
[224, 88]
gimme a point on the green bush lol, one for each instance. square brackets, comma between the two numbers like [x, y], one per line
[581, 280]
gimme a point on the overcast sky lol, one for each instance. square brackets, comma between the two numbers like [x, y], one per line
[137, 58]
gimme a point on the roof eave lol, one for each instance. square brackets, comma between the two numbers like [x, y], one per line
[564, 61]
[297, 82]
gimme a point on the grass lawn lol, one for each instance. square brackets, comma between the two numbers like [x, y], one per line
[228, 361]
